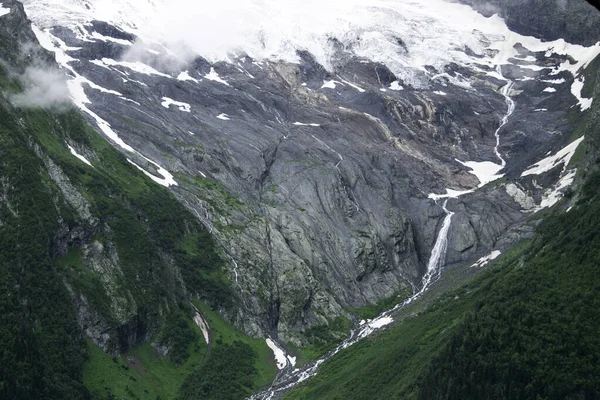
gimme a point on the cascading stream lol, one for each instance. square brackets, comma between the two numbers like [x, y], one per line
[510, 103]
[290, 377]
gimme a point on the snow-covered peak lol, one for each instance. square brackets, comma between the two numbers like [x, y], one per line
[405, 35]
[126, 14]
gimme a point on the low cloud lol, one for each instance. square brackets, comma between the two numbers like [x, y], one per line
[42, 87]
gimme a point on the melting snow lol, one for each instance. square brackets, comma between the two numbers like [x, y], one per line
[485, 171]
[552, 196]
[182, 106]
[329, 84]
[103, 38]
[59, 48]
[79, 156]
[303, 124]
[563, 156]
[361, 90]
[540, 109]
[485, 260]
[185, 76]
[396, 86]
[279, 354]
[3, 11]
[440, 93]
[214, 76]
[576, 88]
[203, 326]
[224, 117]
[134, 66]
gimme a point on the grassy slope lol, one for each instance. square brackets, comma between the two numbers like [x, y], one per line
[42, 350]
[222, 332]
[527, 328]
[388, 365]
[152, 375]
[142, 373]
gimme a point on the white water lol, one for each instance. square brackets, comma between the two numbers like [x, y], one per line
[290, 378]
[505, 91]
[487, 171]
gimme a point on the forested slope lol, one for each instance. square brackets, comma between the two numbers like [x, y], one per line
[529, 328]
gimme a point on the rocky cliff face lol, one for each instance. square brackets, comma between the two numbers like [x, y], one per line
[574, 21]
[81, 226]
[316, 180]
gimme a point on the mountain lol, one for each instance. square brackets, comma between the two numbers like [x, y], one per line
[196, 177]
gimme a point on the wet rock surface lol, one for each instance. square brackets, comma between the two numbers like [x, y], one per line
[319, 194]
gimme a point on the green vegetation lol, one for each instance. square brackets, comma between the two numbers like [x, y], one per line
[526, 329]
[231, 368]
[230, 374]
[322, 338]
[142, 373]
[535, 334]
[224, 333]
[373, 310]
[42, 346]
[53, 209]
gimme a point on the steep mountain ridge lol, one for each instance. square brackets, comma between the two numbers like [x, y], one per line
[262, 150]
[313, 186]
[526, 328]
[88, 253]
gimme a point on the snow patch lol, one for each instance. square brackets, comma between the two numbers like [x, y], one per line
[303, 124]
[553, 196]
[549, 90]
[329, 84]
[103, 38]
[224, 117]
[4, 11]
[167, 102]
[485, 260]
[136, 66]
[526, 202]
[450, 194]
[439, 92]
[563, 156]
[185, 76]
[485, 171]
[79, 156]
[576, 89]
[166, 181]
[554, 81]
[214, 76]
[203, 325]
[396, 86]
[380, 322]
[361, 90]
[280, 357]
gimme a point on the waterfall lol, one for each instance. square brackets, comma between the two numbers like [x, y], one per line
[290, 377]
[510, 103]
[438, 253]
